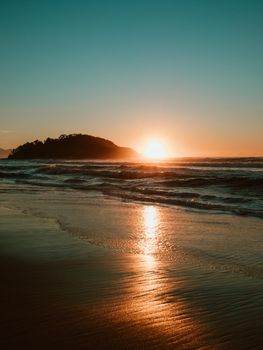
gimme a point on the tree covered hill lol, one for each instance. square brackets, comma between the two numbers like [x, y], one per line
[75, 146]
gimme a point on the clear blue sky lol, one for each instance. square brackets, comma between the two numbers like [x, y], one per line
[189, 72]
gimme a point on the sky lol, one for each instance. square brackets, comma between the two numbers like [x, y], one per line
[187, 72]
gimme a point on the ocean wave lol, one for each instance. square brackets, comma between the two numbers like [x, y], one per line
[234, 181]
[191, 204]
[174, 178]
[223, 189]
[8, 175]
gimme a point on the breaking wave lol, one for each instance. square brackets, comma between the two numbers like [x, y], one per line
[223, 185]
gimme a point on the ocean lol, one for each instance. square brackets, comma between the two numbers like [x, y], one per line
[230, 185]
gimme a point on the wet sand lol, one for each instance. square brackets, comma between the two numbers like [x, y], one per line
[58, 292]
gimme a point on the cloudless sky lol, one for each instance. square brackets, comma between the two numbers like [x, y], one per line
[186, 71]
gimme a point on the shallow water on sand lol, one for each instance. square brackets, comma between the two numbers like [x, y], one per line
[218, 241]
[125, 275]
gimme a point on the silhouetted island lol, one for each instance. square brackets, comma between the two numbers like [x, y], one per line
[75, 146]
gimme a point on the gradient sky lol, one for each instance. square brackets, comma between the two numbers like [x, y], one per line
[188, 72]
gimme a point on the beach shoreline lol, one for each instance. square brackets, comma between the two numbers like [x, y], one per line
[62, 292]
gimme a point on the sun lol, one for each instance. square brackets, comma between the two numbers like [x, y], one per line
[155, 149]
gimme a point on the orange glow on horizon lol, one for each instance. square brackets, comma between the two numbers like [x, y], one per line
[155, 149]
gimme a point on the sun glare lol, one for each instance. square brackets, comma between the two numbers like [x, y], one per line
[155, 150]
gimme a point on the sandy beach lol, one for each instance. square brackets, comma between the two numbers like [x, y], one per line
[62, 291]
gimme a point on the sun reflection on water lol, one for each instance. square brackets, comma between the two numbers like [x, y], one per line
[151, 223]
[151, 299]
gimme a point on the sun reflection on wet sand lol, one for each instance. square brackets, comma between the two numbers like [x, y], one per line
[150, 304]
[151, 222]
[154, 305]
